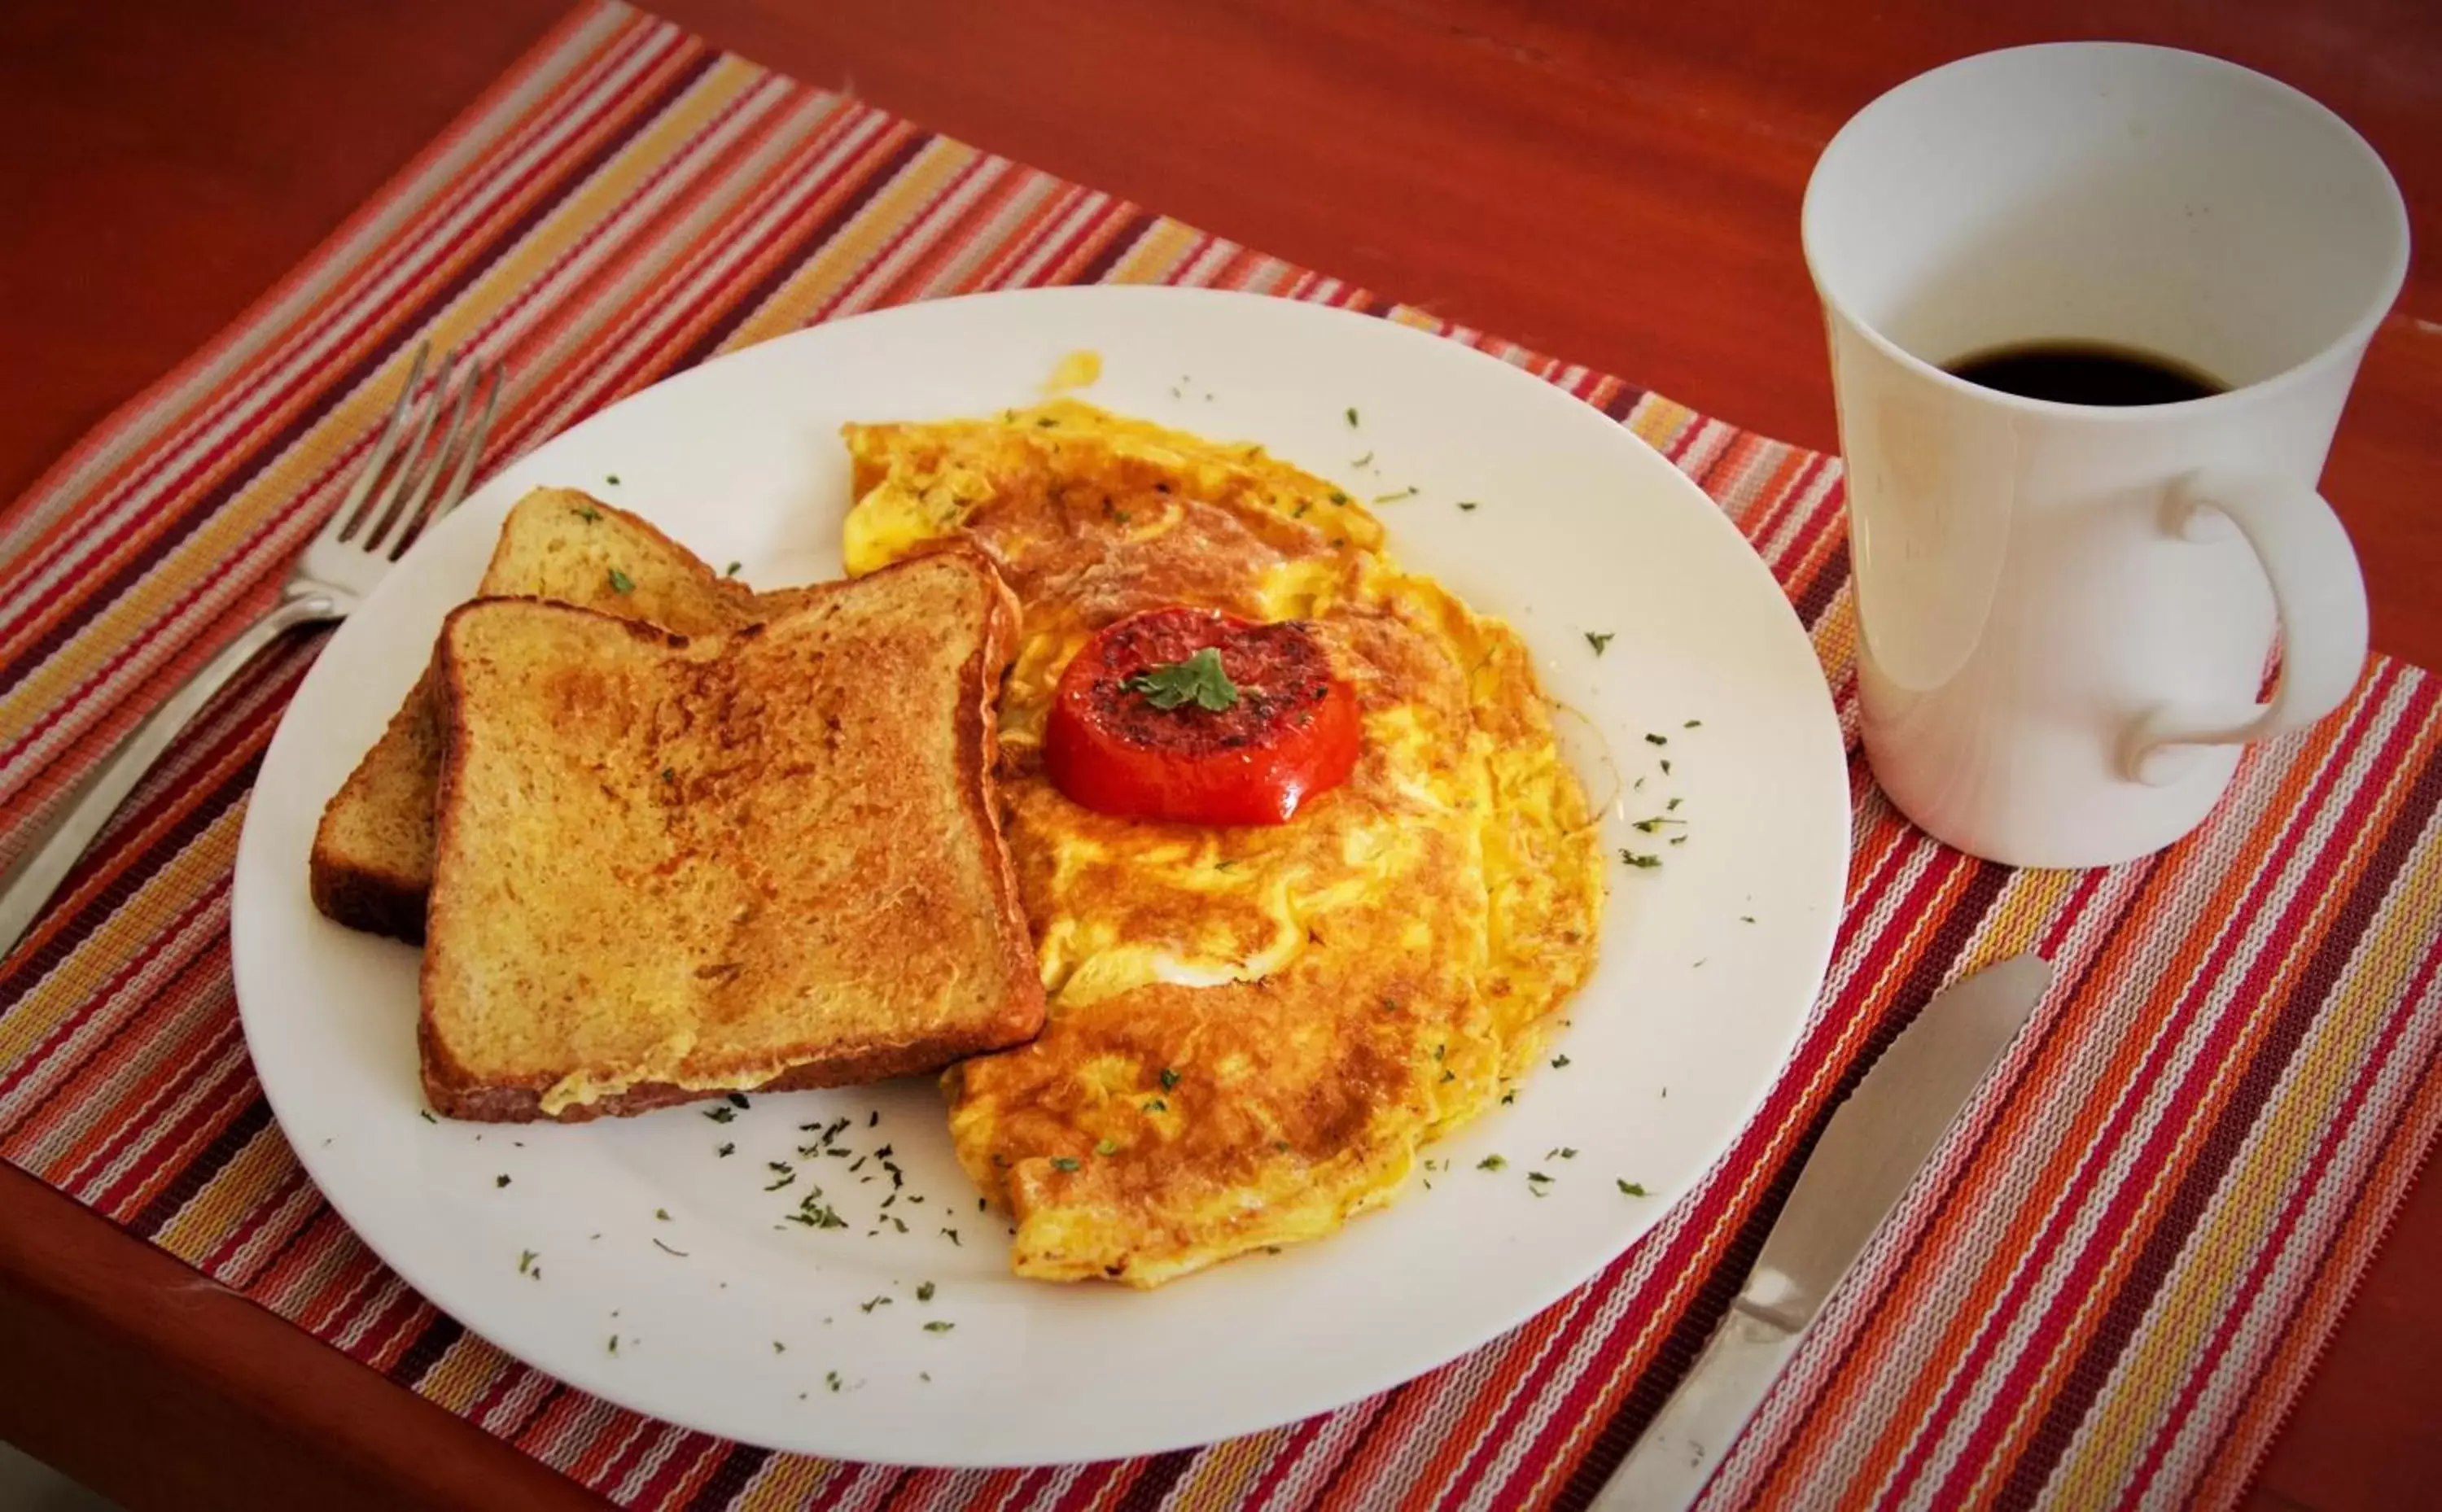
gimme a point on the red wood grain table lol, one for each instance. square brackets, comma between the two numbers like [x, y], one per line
[1614, 184]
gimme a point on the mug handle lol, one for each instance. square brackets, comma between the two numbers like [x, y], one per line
[2318, 591]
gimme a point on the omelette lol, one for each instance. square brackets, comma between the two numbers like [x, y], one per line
[1252, 1029]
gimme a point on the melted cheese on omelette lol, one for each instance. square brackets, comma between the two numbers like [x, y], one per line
[1252, 1030]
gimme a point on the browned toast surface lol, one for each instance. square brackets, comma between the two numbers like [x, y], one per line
[372, 860]
[761, 859]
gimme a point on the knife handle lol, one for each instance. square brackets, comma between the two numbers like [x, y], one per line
[1668, 1468]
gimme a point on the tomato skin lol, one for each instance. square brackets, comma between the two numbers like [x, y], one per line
[1291, 733]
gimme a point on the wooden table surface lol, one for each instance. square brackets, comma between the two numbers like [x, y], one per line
[1610, 183]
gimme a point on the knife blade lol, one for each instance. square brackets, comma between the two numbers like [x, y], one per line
[1871, 1149]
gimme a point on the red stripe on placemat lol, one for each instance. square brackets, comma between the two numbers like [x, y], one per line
[2125, 1204]
[596, 376]
[1697, 1322]
[2292, 1208]
[866, 186]
[2221, 1144]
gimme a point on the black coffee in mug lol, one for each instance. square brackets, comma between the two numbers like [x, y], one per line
[2091, 372]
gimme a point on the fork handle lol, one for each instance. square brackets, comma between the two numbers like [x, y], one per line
[44, 864]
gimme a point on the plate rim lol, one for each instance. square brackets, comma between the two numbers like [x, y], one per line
[1823, 719]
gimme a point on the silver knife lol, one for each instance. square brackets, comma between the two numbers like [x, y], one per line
[1876, 1143]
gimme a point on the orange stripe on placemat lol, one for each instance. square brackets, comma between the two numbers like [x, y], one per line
[2287, 982]
[688, 292]
[2407, 1154]
[2305, 1147]
[1904, 901]
[142, 1062]
[2174, 979]
[706, 177]
[932, 267]
[147, 836]
[2009, 1252]
[2096, 1330]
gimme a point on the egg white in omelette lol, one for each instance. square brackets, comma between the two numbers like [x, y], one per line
[1252, 1030]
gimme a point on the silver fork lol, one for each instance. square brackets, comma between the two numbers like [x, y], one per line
[391, 505]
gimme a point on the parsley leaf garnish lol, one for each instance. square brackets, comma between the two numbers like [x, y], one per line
[1199, 679]
[1640, 860]
[1599, 641]
[621, 582]
[1169, 1079]
[1490, 1162]
[1631, 1188]
[939, 1327]
[1064, 1162]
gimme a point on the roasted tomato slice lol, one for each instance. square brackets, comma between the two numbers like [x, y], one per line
[1200, 717]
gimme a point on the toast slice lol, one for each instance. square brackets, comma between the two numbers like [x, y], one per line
[372, 860]
[669, 868]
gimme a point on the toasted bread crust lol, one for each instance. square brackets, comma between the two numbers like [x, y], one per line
[458, 1091]
[452, 1094]
[381, 886]
[375, 903]
[380, 890]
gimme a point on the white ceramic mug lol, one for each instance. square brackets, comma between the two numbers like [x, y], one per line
[2067, 611]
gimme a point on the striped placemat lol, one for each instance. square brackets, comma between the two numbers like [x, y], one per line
[2110, 1289]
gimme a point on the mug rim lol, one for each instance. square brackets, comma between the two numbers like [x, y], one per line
[2347, 346]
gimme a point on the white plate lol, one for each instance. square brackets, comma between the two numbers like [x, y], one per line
[1580, 528]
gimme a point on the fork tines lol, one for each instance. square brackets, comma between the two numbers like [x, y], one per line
[393, 498]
